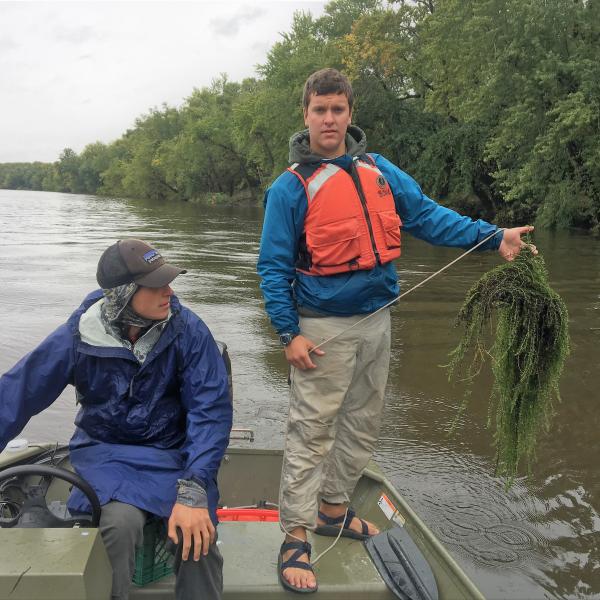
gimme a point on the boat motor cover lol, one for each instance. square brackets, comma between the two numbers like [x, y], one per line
[401, 565]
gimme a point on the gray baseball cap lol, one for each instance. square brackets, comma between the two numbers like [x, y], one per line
[134, 261]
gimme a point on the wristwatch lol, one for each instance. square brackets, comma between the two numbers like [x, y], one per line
[286, 338]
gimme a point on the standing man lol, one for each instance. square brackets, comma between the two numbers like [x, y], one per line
[331, 231]
[155, 413]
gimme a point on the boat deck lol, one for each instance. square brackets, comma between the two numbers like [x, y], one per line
[337, 572]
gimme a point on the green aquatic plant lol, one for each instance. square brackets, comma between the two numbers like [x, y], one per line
[528, 352]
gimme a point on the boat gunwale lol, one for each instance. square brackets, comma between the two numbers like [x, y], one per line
[431, 539]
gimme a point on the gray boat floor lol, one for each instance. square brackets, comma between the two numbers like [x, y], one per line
[250, 552]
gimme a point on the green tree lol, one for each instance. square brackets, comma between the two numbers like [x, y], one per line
[68, 172]
[94, 160]
[141, 167]
[525, 74]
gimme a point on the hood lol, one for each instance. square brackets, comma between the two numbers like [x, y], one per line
[356, 144]
[89, 324]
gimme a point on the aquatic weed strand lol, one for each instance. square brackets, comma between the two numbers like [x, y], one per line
[531, 344]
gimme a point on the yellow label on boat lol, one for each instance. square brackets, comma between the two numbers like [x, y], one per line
[390, 511]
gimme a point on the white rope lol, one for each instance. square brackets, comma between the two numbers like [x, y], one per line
[412, 289]
[320, 556]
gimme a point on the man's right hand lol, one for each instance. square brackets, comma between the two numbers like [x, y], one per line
[297, 353]
[196, 527]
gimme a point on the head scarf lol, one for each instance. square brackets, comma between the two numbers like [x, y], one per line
[117, 314]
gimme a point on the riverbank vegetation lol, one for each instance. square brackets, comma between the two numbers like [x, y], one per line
[492, 105]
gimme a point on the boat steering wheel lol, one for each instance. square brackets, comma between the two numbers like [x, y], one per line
[35, 512]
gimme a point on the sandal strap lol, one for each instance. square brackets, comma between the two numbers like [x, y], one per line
[345, 520]
[349, 517]
[300, 549]
[296, 564]
[365, 527]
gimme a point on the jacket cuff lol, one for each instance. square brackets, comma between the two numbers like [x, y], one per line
[494, 242]
[497, 239]
[192, 494]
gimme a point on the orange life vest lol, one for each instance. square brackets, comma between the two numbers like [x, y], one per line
[351, 222]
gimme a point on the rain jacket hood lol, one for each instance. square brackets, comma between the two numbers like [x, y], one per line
[356, 144]
[98, 326]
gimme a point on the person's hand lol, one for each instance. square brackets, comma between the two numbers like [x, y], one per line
[196, 527]
[297, 353]
[512, 244]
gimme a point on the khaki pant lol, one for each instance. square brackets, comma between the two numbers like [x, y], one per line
[335, 414]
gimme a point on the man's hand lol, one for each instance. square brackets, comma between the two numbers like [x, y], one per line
[511, 243]
[196, 526]
[297, 353]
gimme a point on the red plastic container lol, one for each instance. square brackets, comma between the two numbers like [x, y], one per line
[248, 514]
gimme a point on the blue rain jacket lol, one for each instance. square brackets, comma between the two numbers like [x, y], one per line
[357, 292]
[140, 428]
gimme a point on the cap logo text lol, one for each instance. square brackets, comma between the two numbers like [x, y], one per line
[151, 256]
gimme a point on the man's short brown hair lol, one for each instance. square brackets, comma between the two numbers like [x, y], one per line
[327, 81]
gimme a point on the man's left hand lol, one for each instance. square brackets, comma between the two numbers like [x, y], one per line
[196, 527]
[512, 244]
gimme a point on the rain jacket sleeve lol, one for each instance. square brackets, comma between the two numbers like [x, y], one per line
[428, 220]
[205, 396]
[285, 210]
[35, 382]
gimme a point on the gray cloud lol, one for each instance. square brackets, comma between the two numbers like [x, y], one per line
[230, 26]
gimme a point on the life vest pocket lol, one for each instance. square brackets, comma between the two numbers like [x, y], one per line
[334, 244]
[390, 224]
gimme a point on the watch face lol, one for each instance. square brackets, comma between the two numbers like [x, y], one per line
[286, 338]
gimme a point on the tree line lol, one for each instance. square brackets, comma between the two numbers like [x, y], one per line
[492, 105]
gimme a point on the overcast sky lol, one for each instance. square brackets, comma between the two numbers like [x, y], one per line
[73, 72]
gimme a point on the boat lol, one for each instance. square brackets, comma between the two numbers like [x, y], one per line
[69, 562]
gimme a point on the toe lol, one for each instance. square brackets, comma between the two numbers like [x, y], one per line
[373, 530]
[291, 578]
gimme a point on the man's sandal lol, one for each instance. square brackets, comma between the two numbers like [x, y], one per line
[332, 526]
[293, 562]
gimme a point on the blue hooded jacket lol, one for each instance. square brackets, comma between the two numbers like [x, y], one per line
[141, 427]
[356, 292]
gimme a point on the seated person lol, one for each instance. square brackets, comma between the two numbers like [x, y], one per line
[155, 412]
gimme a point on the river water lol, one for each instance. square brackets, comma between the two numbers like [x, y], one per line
[540, 539]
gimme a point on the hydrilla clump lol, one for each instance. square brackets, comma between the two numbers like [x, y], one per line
[528, 353]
